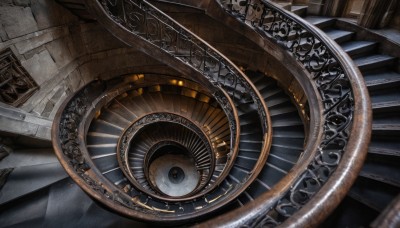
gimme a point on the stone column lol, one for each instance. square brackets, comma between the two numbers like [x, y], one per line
[377, 13]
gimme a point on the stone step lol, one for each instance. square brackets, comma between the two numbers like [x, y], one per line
[340, 36]
[386, 129]
[382, 171]
[359, 48]
[380, 80]
[372, 193]
[299, 10]
[384, 146]
[321, 22]
[373, 62]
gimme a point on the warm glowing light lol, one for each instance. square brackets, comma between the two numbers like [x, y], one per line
[156, 88]
[180, 83]
[189, 93]
[97, 114]
[140, 91]
[135, 77]
[204, 99]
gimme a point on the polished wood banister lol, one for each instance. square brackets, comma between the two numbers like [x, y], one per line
[84, 171]
[322, 203]
[184, 61]
[344, 163]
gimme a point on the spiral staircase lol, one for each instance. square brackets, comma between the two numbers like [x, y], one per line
[220, 145]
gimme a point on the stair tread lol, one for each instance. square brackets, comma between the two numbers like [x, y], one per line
[352, 46]
[285, 123]
[288, 132]
[275, 100]
[390, 103]
[319, 21]
[91, 139]
[283, 110]
[121, 110]
[389, 146]
[60, 195]
[291, 147]
[114, 118]
[372, 193]
[24, 180]
[337, 34]
[381, 78]
[300, 10]
[267, 93]
[21, 158]
[297, 7]
[382, 172]
[388, 127]
[383, 151]
[99, 126]
[372, 59]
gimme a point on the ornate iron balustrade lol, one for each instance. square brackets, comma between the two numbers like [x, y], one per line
[147, 22]
[204, 162]
[72, 123]
[140, 24]
[16, 85]
[346, 118]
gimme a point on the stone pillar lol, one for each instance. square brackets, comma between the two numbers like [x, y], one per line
[377, 13]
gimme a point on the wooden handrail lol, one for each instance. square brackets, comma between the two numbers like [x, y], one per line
[306, 195]
[316, 185]
[194, 57]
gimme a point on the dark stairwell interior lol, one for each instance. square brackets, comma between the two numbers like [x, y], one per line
[75, 49]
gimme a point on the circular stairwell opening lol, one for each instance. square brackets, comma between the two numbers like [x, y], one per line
[176, 175]
[171, 158]
[173, 172]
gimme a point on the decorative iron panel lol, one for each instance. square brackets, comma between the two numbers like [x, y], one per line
[16, 85]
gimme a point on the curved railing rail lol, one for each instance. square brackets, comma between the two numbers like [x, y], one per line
[147, 22]
[138, 22]
[204, 161]
[69, 129]
[319, 185]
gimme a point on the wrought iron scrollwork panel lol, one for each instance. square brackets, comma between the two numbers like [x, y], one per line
[16, 85]
[207, 160]
[126, 195]
[332, 83]
[69, 138]
[148, 23]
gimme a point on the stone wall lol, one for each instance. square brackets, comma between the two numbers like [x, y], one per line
[62, 53]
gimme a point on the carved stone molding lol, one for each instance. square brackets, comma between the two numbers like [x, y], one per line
[16, 85]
